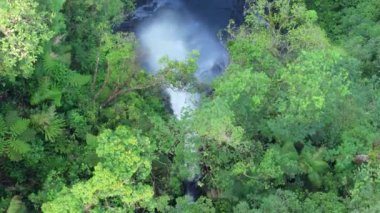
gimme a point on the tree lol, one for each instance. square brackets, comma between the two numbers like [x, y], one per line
[23, 32]
[118, 179]
[282, 21]
[311, 86]
[88, 24]
[354, 26]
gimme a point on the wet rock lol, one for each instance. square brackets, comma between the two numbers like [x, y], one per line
[215, 13]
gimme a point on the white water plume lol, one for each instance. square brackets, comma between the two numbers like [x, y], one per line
[166, 28]
[171, 31]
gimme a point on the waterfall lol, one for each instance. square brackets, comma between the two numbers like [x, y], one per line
[169, 30]
[166, 28]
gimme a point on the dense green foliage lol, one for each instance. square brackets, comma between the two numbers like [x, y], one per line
[353, 25]
[293, 125]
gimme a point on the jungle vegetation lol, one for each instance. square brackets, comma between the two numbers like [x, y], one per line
[291, 126]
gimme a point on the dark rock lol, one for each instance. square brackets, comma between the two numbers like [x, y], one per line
[193, 189]
[217, 13]
[214, 13]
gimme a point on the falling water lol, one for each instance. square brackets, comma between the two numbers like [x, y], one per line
[167, 28]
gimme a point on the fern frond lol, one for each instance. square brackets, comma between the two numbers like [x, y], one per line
[14, 155]
[19, 127]
[55, 95]
[44, 94]
[3, 146]
[19, 146]
[55, 129]
[54, 68]
[28, 135]
[11, 117]
[16, 205]
[41, 119]
[48, 123]
[77, 80]
[3, 126]
[16, 149]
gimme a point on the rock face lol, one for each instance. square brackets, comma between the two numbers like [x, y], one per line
[217, 13]
[214, 13]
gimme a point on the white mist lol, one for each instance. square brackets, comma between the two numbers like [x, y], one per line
[169, 30]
